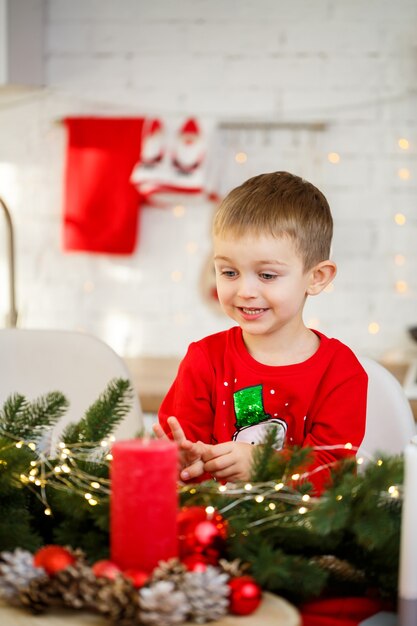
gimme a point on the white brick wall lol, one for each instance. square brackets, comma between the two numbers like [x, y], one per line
[351, 65]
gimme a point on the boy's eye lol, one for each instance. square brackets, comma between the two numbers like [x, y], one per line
[228, 273]
[267, 276]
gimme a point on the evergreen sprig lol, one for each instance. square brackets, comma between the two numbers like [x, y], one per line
[267, 462]
[23, 522]
[102, 416]
[26, 420]
[282, 534]
[293, 575]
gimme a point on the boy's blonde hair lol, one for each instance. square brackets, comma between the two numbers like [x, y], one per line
[280, 204]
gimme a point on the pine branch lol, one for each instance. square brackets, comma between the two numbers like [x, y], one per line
[102, 416]
[78, 524]
[16, 525]
[10, 414]
[26, 420]
[284, 573]
[279, 465]
[263, 456]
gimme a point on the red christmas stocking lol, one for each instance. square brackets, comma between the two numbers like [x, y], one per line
[101, 205]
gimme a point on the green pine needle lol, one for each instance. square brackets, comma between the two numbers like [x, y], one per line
[26, 420]
[103, 416]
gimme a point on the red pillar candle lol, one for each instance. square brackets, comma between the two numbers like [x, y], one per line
[143, 503]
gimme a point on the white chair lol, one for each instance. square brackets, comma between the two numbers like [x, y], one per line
[390, 422]
[35, 362]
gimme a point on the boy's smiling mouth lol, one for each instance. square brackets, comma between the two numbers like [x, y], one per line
[252, 311]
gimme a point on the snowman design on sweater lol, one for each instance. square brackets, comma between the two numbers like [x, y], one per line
[252, 423]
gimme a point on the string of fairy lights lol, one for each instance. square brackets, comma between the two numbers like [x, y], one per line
[62, 471]
[268, 493]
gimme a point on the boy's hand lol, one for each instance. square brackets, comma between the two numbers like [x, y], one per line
[190, 453]
[229, 461]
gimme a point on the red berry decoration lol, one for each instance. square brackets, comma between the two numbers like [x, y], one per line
[106, 569]
[245, 595]
[53, 559]
[136, 576]
[201, 533]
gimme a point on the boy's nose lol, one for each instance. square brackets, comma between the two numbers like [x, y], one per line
[246, 288]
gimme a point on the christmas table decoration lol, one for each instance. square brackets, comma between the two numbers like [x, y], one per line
[56, 504]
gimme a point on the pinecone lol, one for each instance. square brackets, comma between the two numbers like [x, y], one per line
[339, 568]
[75, 586]
[39, 595]
[118, 600]
[207, 594]
[233, 568]
[16, 572]
[162, 605]
[172, 570]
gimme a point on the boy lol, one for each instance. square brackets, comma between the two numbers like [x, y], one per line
[272, 238]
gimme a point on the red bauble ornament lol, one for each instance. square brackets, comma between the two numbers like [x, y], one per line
[195, 563]
[106, 569]
[245, 595]
[138, 577]
[201, 533]
[53, 559]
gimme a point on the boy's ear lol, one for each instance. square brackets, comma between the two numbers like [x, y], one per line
[320, 276]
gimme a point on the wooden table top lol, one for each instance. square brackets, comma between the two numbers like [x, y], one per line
[273, 611]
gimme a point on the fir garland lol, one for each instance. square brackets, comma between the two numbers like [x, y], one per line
[42, 491]
[346, 540]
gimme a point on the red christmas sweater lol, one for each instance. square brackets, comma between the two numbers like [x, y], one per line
[221, 393]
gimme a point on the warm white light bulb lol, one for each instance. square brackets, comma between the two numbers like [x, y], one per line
[373, 328]
[241, 157]
[403, 143]
[404, 173]
[401, 286]
[333, 157]
[178, 210]
[176, 276]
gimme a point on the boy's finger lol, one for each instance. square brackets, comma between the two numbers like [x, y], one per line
[196, 448]
[192, 471]
[229, 473]
[159, 431]
[218, 464]
[177, 431]
[212, 452]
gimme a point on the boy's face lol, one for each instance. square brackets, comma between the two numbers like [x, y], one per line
[261, 282]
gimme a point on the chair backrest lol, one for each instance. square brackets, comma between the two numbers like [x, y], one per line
[390, 422]
[35, 362]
